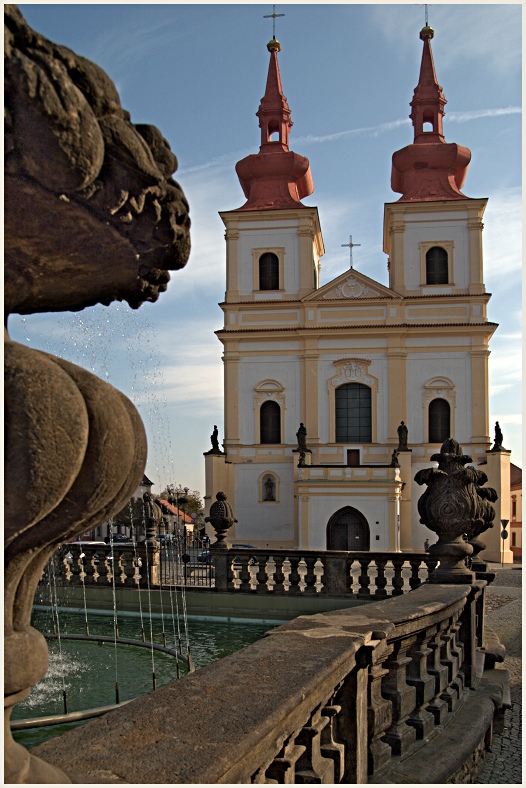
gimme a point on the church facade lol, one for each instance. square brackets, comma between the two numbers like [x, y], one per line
[336, 395]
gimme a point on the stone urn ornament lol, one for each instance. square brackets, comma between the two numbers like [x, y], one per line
[222, 518]
[455, 504]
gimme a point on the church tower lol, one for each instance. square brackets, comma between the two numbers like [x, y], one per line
[378, 376]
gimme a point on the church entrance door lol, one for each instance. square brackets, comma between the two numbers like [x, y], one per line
[348, 530]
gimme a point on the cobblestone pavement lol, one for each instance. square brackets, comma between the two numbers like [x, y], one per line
[503, 765]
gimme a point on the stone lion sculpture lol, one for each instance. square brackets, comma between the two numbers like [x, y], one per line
[92, 213]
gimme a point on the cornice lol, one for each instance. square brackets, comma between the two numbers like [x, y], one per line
[391, 327]
[324, 301]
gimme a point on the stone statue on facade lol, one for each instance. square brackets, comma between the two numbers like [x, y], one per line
[402, 437]
[497, 446]
[394, 459]
[221, 518]
[214, 440]
[301, 437]
[269, 489]
[455, 503]
[92, 215]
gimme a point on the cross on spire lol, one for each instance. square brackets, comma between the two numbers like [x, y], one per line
[350, 245]
[426, 6]
[273, 16]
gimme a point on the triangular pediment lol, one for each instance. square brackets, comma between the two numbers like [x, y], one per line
[351, 286]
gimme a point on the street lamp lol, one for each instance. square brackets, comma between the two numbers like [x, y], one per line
[175, 498]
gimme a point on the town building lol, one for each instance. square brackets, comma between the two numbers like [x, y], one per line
[336, 395]
[516, 511]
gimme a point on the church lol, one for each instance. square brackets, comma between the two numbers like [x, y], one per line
[336, 395]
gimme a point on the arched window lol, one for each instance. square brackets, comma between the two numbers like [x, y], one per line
[269, 271]
[270, 422]
[439, 421]
[353, 413]
[436, 266]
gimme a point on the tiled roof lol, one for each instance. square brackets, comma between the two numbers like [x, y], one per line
[173, 510]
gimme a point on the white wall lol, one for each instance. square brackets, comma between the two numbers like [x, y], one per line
[436, 227]
[258, 522]
[255, 369]
[422, 367]
[261, 238]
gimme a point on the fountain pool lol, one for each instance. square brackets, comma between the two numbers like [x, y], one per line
[88, 669]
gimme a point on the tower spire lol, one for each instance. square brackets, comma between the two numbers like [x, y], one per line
[430, 168]
[276, 177]
[274, 112]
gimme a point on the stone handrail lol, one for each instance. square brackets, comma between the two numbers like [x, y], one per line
[334, 697]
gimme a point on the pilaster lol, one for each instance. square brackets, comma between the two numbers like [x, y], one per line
[309, 385]
[231, 367]
[479, 395]
[406, 540]
[498, 473]
[397, 389]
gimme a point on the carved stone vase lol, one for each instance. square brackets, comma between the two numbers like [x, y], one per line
[454, 505]
[222, 518]
[75, 453]
[92, 215]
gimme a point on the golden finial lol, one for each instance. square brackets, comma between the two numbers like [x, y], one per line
[273, 44]
[427, 32]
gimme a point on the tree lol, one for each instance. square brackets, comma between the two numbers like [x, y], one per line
[193, 503]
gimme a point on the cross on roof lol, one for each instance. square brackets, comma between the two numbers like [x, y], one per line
[350, 245]
[426, 6]
[273, 16]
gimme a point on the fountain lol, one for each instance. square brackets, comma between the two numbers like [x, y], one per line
[92, 215]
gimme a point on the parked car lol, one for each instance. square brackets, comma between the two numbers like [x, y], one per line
[166, 538]
[253, 560]
[204, 557]
[118, 539]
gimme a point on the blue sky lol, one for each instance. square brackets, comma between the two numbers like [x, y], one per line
[198, 72]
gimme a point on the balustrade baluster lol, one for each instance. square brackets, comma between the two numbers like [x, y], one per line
[65, 569]
[279, 577]
[379, 710]
[418, 677]
[294, 576]
[450, 660]
[380, 580]
[244, 573]
[282, 770]
[312, 766]
[398, 580]
[415, 580]
[351, 584]
[400, 735]
[260, 574]
[437, 706]
[364, 591]
[310, 577]
[329, 747]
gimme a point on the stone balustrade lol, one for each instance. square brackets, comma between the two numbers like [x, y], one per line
[359, 575]
[374, 694]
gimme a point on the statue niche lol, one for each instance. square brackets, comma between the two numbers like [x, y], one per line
[92, 215]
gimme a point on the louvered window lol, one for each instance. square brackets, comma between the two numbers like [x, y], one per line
[353, 413]
[270, 422]
[436, 266]
[439, 421]
[268, 271]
